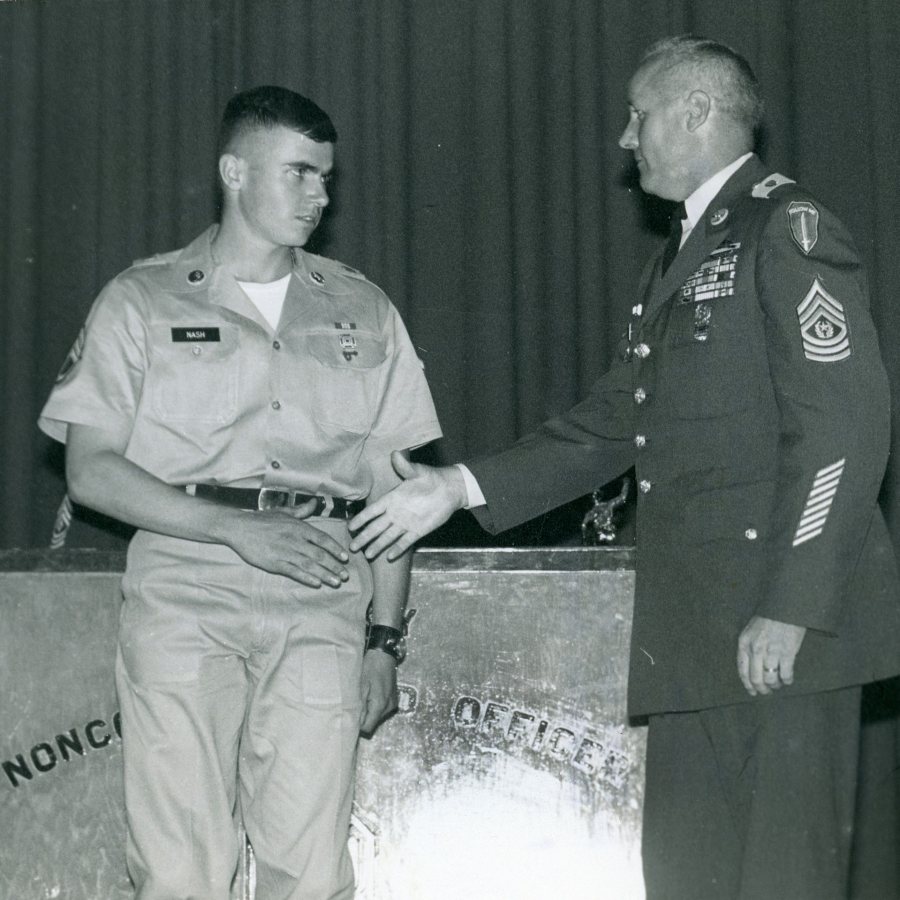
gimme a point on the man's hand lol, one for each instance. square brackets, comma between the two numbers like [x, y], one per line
[379, 689]
[426, 499]
[280, 542]
[766, 653]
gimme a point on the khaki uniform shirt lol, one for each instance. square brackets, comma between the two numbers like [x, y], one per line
[175, 352]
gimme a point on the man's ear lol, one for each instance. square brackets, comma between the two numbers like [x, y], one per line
[231, 171]
[698, 105]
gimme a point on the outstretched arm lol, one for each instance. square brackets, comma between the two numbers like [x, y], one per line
[426, 499]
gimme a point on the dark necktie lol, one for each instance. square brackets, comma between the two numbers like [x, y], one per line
[672, 245]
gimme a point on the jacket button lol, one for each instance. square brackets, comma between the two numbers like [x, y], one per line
[640, 440]
[644, 486]
[276, 464]
[276, 404]
[750, 534]
[276, 345]
[642, 351]
[640, 395]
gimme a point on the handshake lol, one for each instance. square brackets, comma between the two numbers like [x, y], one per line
[426, 498]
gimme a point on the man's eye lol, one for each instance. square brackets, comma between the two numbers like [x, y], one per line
[327, 179]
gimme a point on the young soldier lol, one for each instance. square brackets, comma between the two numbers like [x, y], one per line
[238, 401]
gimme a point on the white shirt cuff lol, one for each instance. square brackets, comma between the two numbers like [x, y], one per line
[474, 497]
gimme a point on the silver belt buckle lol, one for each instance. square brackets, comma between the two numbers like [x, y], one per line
[272, 498]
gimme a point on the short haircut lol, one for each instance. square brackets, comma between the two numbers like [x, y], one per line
[724, 72]
[270, 106]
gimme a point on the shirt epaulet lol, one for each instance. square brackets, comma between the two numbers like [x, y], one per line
[763, 190]
[158, 259]
[339, 268]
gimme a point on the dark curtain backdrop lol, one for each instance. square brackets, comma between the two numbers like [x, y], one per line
[480, 182]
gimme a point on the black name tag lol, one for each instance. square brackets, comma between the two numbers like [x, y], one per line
[193, 335]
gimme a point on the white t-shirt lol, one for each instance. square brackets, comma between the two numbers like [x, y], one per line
[268, 297]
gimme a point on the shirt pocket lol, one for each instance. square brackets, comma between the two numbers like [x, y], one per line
[347, 371]
[195, 381]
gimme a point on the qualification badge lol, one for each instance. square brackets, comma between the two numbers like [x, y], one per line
[702, 319]
[347, 341]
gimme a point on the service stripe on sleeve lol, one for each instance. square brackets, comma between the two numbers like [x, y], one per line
[818, 503]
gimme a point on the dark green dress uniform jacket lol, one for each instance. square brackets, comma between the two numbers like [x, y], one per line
[752, 400]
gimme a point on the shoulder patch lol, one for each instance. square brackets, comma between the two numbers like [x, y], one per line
[762, 189]
[804, 221]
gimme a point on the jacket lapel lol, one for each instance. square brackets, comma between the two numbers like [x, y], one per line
[707, 234]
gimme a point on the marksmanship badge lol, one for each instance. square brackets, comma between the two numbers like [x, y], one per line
[804, 219]
[823, 326]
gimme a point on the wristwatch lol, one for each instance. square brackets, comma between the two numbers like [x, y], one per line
[391, 640]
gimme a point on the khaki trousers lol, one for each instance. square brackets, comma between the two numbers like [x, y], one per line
[239, 693]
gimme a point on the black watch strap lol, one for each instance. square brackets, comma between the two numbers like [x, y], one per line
[390, 640]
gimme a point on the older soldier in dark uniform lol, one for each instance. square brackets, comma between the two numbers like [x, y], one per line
[751, 398]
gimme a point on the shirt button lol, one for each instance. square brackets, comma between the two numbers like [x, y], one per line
[276, 404]
[640, 440]
[196, 350]
[276, 464]
[644, 486]
[750, 534]
[276, 345]
[640, 395]
[642, 351]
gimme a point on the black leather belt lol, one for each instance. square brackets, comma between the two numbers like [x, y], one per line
[276, 498]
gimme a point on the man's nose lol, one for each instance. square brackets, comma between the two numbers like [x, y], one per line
[319, 193]
[628, 140]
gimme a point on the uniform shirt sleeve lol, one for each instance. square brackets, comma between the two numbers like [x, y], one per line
[101, 378]
[406, 417]
[832, 395]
